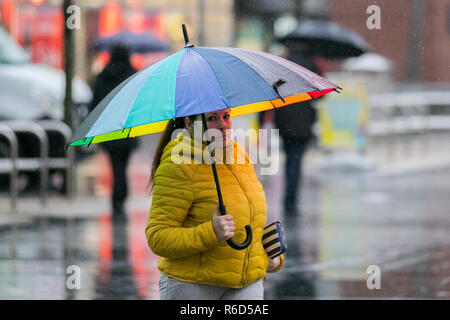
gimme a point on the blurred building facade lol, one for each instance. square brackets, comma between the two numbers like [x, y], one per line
[38, 25]
[415, 35]
[209, 22]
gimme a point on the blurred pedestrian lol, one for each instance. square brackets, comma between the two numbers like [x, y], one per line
[184, 225]
[295, 124]
[116, 71]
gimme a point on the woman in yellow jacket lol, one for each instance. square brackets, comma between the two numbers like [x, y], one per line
[184, 226]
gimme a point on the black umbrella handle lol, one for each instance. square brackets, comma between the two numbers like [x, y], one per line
[222, 209]
[248, 230]
[244, 244]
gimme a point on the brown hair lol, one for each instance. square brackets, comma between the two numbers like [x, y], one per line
[172, 125]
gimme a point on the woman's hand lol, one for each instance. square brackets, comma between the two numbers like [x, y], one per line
[273, 263]
[223, 225]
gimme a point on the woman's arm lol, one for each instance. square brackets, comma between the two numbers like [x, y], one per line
[172, 198]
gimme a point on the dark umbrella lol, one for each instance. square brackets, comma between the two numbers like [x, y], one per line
[327, 39]
[136, 42]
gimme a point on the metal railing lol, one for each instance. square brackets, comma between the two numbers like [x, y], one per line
[10, 165]
[397, 114]
[67, 161]
[408, 124]
[41, 163]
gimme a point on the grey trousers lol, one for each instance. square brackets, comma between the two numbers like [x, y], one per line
[172, 289]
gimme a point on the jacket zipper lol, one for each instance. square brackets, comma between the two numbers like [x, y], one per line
[247, 250]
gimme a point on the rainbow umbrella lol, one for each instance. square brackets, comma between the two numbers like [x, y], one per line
[195, 81]
[198, 80]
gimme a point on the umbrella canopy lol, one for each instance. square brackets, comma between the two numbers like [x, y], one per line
[144, 42]
[198, 80]
[327, 39]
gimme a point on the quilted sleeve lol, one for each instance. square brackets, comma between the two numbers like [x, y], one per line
[172, 198]
[279, 266]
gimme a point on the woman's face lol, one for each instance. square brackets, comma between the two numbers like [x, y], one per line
[219, 120]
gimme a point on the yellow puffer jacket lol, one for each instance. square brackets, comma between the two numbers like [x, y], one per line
[179, 227]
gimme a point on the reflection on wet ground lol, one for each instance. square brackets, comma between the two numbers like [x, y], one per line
[347, 223]
[112, 256]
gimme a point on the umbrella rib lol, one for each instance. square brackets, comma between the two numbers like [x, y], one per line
[215, 75]
[273, 105]
[256, 73]
[253, 70]
[287, 64]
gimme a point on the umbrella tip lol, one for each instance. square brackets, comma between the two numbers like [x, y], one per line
[275, 87]
[186, 37]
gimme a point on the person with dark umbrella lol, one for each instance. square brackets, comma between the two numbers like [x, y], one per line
[117, 70]
[310, 38]
[295, 128]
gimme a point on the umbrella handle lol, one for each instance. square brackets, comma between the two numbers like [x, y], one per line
[222, 210]
[246, 243]
[248, 230]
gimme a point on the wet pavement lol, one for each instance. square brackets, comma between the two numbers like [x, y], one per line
[399, 224]
[113, 259]
[347, 223]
